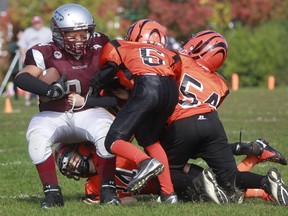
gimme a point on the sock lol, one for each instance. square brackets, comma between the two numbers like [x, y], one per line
[248, 163]
[106, 168]
[156, 151]
[250, 193]
[245, 180]
[129, 151]
[47, 171]
[92, 186]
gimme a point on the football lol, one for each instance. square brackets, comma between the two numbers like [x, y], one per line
[128, 200]
[48, 76]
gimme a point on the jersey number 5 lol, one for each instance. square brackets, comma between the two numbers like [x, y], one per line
[152, 57]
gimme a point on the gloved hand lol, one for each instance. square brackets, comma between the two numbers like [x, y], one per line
[58, 88]
[94, 87]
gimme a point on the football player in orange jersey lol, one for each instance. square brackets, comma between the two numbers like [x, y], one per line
[266, 152]
[195, 130]
[142, 57]
[78, 161]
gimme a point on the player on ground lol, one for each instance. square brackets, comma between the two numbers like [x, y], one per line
[195, 130]
[76, 161]
[143, 59]
[74, 53]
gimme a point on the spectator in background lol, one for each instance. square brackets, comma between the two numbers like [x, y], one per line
[12, 47]
[36, 33]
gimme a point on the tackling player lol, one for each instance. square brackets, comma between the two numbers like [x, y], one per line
[195, 130]
[143, 59]
[75, 53]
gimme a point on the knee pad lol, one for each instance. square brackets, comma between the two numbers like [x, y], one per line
[39, 149]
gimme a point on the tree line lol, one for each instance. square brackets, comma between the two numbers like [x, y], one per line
[256, 30]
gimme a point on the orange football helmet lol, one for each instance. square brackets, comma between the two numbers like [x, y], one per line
[147, 31]
[208, 48]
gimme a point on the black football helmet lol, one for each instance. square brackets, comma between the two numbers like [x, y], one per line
[70, 162]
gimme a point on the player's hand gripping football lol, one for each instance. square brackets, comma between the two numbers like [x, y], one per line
[58, 88]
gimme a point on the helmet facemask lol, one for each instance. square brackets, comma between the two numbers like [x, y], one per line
[76, 48]
[70, 162]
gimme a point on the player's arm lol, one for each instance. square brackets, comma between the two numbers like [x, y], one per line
[105, 75]
[103, 101]
[27, 79]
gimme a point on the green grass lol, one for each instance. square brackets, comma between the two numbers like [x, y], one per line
[257, 112]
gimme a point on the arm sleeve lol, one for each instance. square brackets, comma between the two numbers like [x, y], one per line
[104, 101]
[105, 75]
[32, 84]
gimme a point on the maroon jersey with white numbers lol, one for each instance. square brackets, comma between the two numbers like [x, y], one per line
[79, 71]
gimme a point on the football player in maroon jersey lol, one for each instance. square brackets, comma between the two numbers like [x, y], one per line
[75, 54]
[195, 130]
[142, 57]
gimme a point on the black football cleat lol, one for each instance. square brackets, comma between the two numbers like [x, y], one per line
[108, 194]
[269, 154]
[53, 196]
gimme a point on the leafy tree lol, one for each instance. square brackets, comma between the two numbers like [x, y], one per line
[180, 17]
[255, 12]
[256, 54]
[103, 11]
[256, 30]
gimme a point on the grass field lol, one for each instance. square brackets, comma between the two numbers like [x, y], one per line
[257, 112]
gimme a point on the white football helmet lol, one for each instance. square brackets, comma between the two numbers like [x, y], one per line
[69, 18]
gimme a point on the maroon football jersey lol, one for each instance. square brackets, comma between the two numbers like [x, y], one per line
[79, 71]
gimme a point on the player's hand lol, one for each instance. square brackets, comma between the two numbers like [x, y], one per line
[95, 86]
[57, 89]
[76, 100]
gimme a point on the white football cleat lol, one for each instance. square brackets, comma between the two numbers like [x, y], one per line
[278, 189]
[212, 188]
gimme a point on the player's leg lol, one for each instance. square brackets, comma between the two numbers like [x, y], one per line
[118, 142]
[167, 100]
[257, 152]
[95, 130]
[216, 151]
[261, 149]
[43, 130]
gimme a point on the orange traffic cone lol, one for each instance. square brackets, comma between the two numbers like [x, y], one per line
[8, 106]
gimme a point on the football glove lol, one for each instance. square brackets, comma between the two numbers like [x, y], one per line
[58, 88]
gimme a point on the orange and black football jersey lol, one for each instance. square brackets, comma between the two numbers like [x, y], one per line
[135, 58]
[200, 91]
